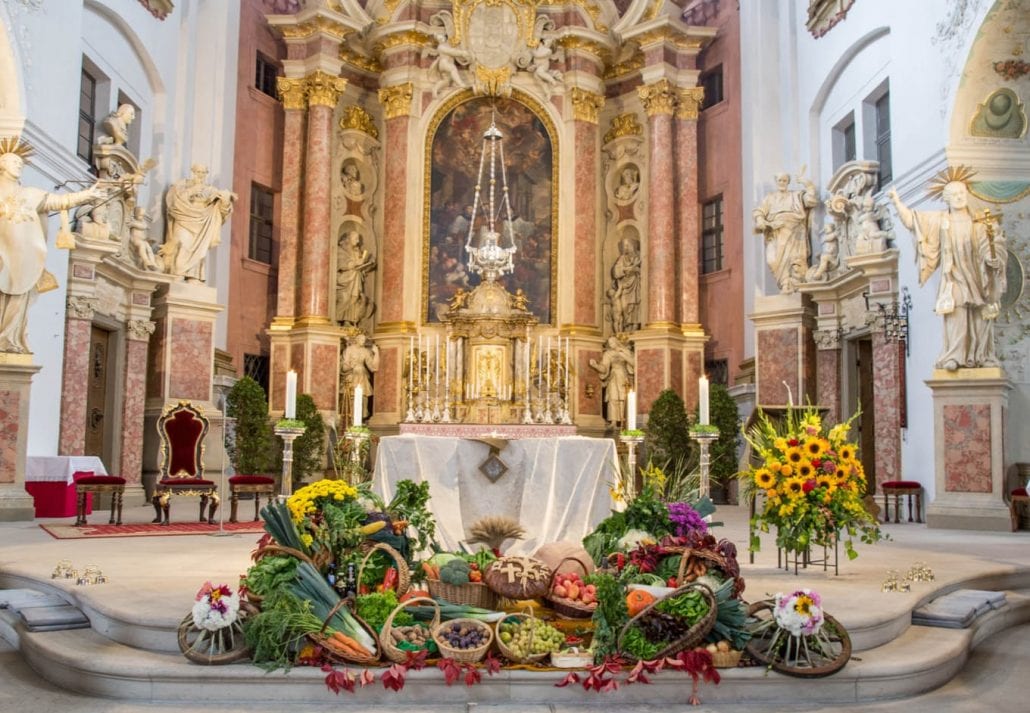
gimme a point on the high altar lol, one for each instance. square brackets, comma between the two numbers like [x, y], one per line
[489, 211]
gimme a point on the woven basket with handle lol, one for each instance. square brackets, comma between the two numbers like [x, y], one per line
[275, 550]
[390, 650]
[568, 607]
[693, 635]
[333, 649]
[526, 615]
[474, 594]
[403, 573]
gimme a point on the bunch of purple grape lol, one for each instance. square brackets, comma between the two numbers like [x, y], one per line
[463, 636]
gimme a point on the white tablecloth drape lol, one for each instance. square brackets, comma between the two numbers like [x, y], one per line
[557, 488]
[59, 469]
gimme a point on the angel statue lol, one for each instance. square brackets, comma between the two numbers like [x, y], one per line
[447, 56]
[543, 55]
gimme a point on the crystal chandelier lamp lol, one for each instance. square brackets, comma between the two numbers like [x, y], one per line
[489, 259]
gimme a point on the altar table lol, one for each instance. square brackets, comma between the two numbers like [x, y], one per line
[50, 480]
[557, 488]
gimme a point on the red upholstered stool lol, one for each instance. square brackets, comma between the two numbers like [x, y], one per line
[1018, 496]
[86, 483]
[898, 488]
[257, 484]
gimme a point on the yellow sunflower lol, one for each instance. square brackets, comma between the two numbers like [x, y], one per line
[794, 488]
[841, 474]
[805, 470]
[764, 479]
[794, 455]
[846, 452]
[815, 447]
[826, 481]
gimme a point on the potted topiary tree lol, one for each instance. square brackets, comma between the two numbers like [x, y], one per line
[723, 415]
[667, 440]
[253, 451]
[308, 449]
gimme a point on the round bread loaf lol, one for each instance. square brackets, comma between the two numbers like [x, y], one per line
[518, 577]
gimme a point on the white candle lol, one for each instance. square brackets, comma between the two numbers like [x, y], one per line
[447, 369]
[631, 411]
[411, 366]
[548, 357]
[358, 404]
[528, 367]
[568, 377]
[702, 395]
[436, 365]
[291, 394]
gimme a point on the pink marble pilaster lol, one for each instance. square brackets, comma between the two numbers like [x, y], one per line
[280, 365]
[661, 201]
[10, 415]
[650, 377]
[394, 218]
[316, 240]
[777, 362]
[72, 441]
[688, 222]
[386, 378]
[828, 383]
[190, 373]
[585, 255]
[676, 374]
[967, 448]
[133, 401]
[289, 213]
[589, 404]
[324, 368]
[887, 398]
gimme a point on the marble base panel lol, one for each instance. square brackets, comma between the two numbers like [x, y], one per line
[667, 359]
[15, 386]
[785, 354]
[182, 351]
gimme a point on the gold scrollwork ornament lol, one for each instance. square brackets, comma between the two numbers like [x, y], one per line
[357, 119]
[396, 100]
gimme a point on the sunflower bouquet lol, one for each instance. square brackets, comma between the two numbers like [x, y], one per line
[812, 481]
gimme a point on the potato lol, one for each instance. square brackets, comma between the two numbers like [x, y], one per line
[723, 645]
[711, 648]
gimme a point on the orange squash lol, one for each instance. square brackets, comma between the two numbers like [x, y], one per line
[637, 599]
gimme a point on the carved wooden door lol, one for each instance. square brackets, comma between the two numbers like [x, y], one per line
[97, 418]
[867, 421]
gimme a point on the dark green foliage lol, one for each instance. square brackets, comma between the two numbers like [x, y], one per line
[253, 451]
[667, 435]
[723, 412]
[309, 449]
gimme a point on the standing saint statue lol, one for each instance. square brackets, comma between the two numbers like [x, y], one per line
[359, 361]
[353, 263]
[616, 372]
[196, 212]
[970, 253]
[782, 219]
[23, 222]
[624, 293]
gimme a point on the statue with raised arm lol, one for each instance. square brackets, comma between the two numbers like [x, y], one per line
[446, 56]
[970, 253]
[23, 236]
[616, 371]
[782, 218]
[359, 361]
[196, 212]
[353, 263]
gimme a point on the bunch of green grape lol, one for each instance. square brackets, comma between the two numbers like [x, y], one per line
[530, 637]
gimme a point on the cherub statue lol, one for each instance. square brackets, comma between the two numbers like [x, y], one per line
[829, 260]
[91, 222]
[447, 56]
[543, 54]
[459, 299]
[868, 219]
[141, 248]
[520, 301]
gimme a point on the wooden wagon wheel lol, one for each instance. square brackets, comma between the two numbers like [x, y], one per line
[820, 654]
[215, 648]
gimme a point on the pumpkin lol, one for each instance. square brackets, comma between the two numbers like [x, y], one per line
[637, 600]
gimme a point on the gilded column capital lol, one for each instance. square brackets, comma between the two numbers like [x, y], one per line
[324, 89]
[81, 307]
[690, 102]
[586, 104]
[293, 93]
[623, 125]
[396, 100]
[139, 329]
[356, 118]
[658, 98]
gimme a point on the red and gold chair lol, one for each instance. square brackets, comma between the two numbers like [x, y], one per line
[182, 428]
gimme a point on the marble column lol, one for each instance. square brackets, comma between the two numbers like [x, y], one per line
[396, 101]
[829, 385]
[293, 93]
[888, 399]
[688, 220]
[784, 349]
[659, 100]
[323, 91]
[78, 325]
[585, 107]
[16, 372]
[137, 336]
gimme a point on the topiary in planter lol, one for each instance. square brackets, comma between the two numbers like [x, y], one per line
[667, 437]
[308, 449]
[722, 411]
[253, 451]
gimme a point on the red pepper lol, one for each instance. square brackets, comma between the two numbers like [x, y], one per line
[671, 582]
[390, 578]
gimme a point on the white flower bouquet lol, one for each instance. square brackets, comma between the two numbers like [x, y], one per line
[215, 607]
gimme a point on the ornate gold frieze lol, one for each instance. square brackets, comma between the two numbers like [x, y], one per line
[574, 42]
[623, 125]
[396, 100]
[586, 104]
[634, 64]
[360, 61]
[690, 102]
[658, 98]
[672, 37]
[389, 7]
[413, 38]
[354, 117]
[292, 92]
[652, 11]
[493, 82]
[592, 9]
[309, 28]
[324, 89]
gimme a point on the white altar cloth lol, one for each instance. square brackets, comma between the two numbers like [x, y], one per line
[557, 488]
[60, 469]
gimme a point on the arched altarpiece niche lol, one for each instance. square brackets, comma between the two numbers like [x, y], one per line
[453, 146]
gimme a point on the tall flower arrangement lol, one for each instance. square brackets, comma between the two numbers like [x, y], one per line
[812, 481]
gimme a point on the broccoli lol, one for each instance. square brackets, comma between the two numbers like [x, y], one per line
[455, 572]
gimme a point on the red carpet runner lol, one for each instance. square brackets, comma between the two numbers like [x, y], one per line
[70, 532]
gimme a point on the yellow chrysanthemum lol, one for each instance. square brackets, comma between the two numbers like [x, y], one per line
[786, 470]
[794, 488]
[815, 447]
[803, 605]
[764, 479]
[307, 539]
[794, 455]
[780, 444]
[771, 494]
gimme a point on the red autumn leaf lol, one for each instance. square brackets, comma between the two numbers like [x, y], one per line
[337, 681]
[393, 678]
[493, 664]
[366, 677]
[472, 675]
[610, 685]
[638, 674]
[674, 662]
[571, 677]
[416, 660]
[451, 670]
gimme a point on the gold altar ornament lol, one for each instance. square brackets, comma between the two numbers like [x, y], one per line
[396, 100]
[623, 125]
[658, 98]
[586, 105]
[357, 119]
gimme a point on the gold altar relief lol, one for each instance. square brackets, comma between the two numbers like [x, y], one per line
[412, 38]
[628, 66]
[585, 105]
[690, 102]
[396, 100]
[356, 118]
[324, 89]
[359, 61]
[488, 362]
[389, 7]
[292, 92]
[493, 81]
[658, 98]
[623, 125]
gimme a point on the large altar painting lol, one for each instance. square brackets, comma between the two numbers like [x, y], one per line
[453, 166]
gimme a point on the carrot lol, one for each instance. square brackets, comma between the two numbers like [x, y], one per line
[431, 571]
[350, 644]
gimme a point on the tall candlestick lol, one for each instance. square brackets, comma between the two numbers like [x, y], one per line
[291, 394]
[528, 367]
[447, 369]
[631, 411]
[702, 393]
[548, 357]
[568, 377]
[359, 404]
[436, 365]
[411, 365]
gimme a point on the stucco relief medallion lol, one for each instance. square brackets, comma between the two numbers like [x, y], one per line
[493, 35]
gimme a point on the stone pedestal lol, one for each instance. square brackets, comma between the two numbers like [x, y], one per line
[668, 359]
[969, 411]
[784, 350]
[16, 372]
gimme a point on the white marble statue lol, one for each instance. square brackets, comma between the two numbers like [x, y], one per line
[91, 221]
[616, 371]
[115, 126]
[353, 263]
[359, 361]
[629, 184]
[543, 54]
[447, 57]
[141, 248]
[970, 253]
[782, 219]
[196, 212]
[867, 217]
[624, 292]
[829, 260]
[23, 221]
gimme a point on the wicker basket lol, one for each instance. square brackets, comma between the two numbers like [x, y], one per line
[568, 607]
[268, 551]
[403, 573]
[506, 650]
[474, 594]
[337, 653]
[694, 634]
[464, 655]
[726, 659]
[390, 650]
